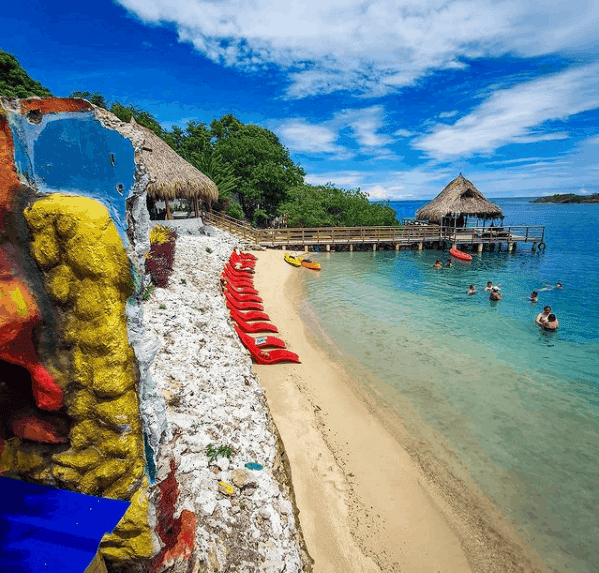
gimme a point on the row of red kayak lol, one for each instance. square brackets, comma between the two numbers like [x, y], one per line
[248, 314]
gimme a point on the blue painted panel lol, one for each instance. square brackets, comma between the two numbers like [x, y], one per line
[80, 156]
[46, 529]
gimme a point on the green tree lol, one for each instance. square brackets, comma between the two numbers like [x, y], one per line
[96, 98]
[265, 170]
[145, 118]
[328, 206]
[15, 82]
[195, 145]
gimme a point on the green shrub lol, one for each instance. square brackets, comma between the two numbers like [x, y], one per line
[235, 210]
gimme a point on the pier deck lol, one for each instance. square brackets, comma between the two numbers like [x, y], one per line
[421, 236]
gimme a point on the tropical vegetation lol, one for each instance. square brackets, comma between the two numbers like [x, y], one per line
[328, 206]
[15, 82]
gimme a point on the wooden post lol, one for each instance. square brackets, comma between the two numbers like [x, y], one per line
[480, 247]
[499, 247]
[351, 247]
[196, 207]
[420, 245]
[169, 214]
[374, 246]
[510, 246]
[397, 246]
[328, 248]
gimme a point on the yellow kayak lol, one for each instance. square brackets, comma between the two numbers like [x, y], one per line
[293, 260]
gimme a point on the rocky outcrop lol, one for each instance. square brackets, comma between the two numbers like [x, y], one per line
[229, 463]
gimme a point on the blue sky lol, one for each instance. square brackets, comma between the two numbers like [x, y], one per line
[393, 96]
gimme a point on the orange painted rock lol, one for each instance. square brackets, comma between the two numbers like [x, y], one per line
[31, 428]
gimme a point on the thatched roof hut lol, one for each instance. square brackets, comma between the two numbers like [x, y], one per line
[458, 200]
[170, 175]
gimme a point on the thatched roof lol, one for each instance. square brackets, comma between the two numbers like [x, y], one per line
[460, 197]
[170, 175]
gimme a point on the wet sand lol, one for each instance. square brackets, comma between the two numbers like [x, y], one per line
[366, 500]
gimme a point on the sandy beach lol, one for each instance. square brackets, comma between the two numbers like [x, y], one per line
[365, 503]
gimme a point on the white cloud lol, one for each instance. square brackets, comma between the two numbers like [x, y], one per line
[446, 114]
[594, 140]
[403, 133]
[344, 179]
[513, 115]
[362, 125]
[303, 137]
[373, 47]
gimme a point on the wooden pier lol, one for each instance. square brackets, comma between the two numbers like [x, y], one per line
[401, 237]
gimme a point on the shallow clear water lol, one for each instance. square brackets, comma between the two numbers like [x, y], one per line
[519, 407]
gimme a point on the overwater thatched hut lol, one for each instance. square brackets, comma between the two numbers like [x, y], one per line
[459, 200]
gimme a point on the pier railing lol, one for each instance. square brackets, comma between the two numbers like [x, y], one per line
[487, 235]
[233, 226]
[400, 235]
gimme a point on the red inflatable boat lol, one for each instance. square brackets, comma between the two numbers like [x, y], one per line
[460, 255]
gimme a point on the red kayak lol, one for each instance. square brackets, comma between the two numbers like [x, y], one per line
[243, 297]
[231, 285]
[253, 326]
[460, 255]
[249, 314]
[265, 357]
[249, 305]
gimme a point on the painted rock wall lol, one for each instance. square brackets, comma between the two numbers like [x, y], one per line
[73, 357]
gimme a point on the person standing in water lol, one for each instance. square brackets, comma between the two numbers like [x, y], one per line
[543, 316]
[534, 297]
[471, 290]
[495, 294]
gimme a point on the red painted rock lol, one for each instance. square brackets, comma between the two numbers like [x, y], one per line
[31, 428]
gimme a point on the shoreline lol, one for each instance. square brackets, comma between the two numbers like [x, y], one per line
[369, 498]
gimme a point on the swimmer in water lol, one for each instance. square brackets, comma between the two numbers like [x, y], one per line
[551, 323]
[495, 294]
[438, 264]
[471, 290]
[489, 286]
[542, 316]
[534, 297]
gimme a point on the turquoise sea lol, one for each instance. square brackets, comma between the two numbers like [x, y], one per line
[516, 407]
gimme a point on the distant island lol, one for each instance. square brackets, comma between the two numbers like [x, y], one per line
[568, 198]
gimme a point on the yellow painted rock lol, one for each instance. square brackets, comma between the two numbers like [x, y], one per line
[120, 411]
[84, 433]
[26, 459]
[58, 283]
[67, 476]
[45, 248]
[226, 488]
[83, 460]
[110, 382]
[80, 404]
[102, 476]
